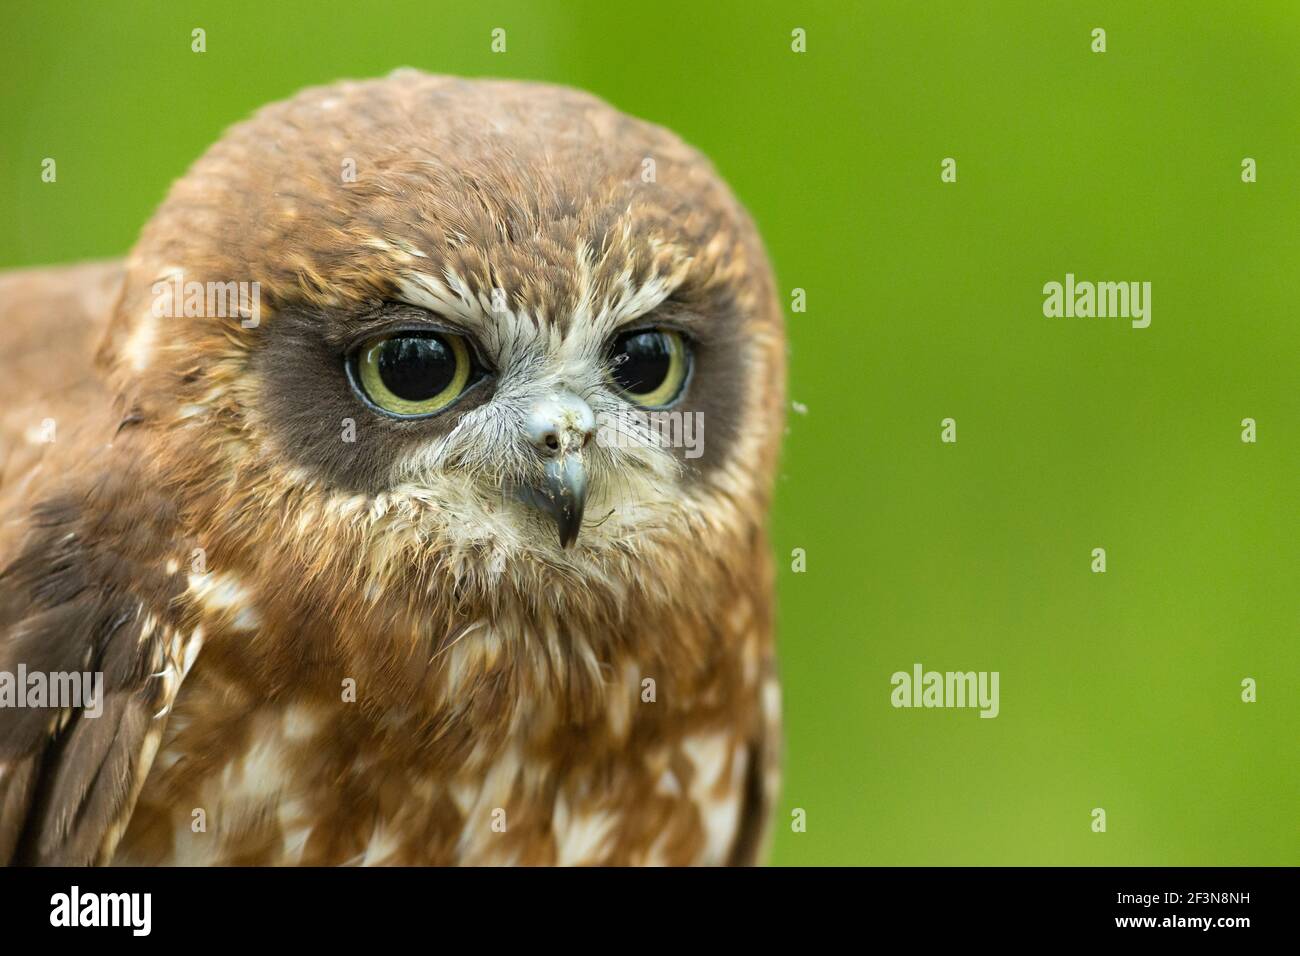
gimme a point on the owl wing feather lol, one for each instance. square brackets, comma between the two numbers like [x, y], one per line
[81, 592]
[69, 775]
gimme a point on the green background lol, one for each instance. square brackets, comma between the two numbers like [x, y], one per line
[1118, 690]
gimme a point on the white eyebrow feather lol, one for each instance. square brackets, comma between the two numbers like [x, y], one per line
[429, 292]
[632, 303]
[510, 335]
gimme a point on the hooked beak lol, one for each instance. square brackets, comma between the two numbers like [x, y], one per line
[562, 494]
[559, 426]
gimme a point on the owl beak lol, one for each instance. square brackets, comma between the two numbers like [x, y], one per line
[559, 426]
[563, 495]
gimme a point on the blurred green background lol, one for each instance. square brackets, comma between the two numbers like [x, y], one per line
[1118, 690]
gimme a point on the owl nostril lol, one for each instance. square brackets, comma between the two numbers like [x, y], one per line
[559, 423]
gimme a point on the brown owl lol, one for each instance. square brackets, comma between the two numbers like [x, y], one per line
[401, 499]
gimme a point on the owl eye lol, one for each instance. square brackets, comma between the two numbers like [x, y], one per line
[649, 366]
[412, 374]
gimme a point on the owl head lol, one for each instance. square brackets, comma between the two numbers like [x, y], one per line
[415, 342]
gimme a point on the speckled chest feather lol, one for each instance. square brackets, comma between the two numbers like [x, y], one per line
[652, 752]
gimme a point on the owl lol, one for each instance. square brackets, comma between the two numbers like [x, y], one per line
[400, 499]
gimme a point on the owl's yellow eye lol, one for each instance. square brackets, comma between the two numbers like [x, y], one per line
[649, 366]
[413, 374]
